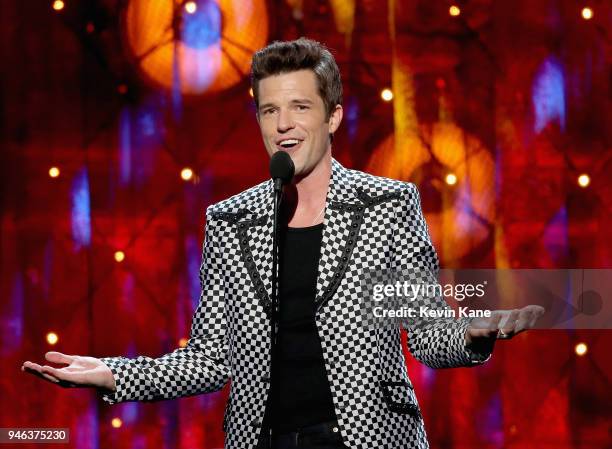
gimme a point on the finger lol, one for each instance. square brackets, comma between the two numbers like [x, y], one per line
[59, 373]
[494, 325]
[41, 375]
[58, 357]
[508, 326]
[534, 319]
[66, 379]
[537, 312]
[32, 365]
[522, 323]
[495, 320]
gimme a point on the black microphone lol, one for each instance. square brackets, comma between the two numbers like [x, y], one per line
[281, 169]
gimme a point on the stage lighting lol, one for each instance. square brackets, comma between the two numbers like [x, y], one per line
[116, 423]
[191, 7]
[122, 89]
[119, 256]
[251, 92]
[454, 11]
[52, 338]
[451, 179]
[581, 349]
[386, 94]
[183, 342]
[58, 5]
[186, 174]
[54, 172]
[584, 180]
[587, 13]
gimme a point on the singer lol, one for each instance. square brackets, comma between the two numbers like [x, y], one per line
[329, 381]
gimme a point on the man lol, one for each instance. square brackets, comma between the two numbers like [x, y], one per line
[336, 382]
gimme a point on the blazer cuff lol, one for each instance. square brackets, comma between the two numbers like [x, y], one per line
[471, 357]
[131, 381]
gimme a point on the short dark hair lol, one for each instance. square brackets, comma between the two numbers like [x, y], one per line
[290, 56]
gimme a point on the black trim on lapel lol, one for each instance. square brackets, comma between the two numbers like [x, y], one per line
[339, 239]
[259, 274]
[253, 225]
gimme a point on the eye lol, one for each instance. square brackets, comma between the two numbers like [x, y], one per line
[302, 107]
[268, 111]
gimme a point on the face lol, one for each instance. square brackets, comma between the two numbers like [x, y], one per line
[292, 118]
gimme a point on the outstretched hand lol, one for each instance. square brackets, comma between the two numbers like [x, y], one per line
[502, 324]
[81, 371]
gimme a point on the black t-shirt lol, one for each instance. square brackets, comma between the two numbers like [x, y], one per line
[300, 388]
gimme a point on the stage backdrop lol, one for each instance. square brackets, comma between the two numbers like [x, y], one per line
[122, 120]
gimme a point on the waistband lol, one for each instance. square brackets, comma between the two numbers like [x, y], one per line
[317, 433]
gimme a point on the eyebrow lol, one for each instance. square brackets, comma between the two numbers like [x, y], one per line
[294, 101]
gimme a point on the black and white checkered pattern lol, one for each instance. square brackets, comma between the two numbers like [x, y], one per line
[370, 223]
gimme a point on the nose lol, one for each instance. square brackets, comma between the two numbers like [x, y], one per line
[285, 121]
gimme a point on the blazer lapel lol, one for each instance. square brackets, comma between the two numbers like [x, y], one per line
[342, 222]
[255, 238]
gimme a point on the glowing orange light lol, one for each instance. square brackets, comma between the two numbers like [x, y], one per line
[116, 423]
[52, 338]
[119, 256]
[386, 94]
[199, 68]
[251, 92]
[584, 180]
[191, 7]
[587, 13]
[58, 5]
[183, 342]
[581, 349]
[54, 172]
[454, 11]
[186, 174]
[451, 179]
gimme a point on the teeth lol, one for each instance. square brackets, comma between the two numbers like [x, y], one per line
[288, 142]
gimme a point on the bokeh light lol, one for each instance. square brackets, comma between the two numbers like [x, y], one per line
[52, 338]
[584, 180]
[581, 349]
[451, 179]
[386, 94]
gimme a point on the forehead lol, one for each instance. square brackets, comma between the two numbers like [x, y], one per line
[285, 86]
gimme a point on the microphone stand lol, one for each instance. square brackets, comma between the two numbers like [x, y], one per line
[278, 194]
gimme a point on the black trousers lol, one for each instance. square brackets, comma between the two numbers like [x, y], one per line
[319, 436]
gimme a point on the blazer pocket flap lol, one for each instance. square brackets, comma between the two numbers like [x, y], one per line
[399, 397]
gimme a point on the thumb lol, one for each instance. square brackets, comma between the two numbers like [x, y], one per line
[58, 357]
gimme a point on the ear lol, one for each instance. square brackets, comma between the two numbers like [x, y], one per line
[335, 118]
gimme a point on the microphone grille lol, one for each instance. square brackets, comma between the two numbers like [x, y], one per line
[281, 167]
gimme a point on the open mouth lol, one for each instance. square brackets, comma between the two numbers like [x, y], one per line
[288, 144]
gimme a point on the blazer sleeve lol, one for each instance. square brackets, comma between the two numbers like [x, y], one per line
[200, 367]
[436, 342]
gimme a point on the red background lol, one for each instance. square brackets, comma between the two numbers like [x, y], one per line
[524, 84]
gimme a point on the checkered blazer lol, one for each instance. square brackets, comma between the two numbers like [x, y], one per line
[370, 223]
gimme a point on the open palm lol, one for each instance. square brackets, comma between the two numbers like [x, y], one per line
[81, 371]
